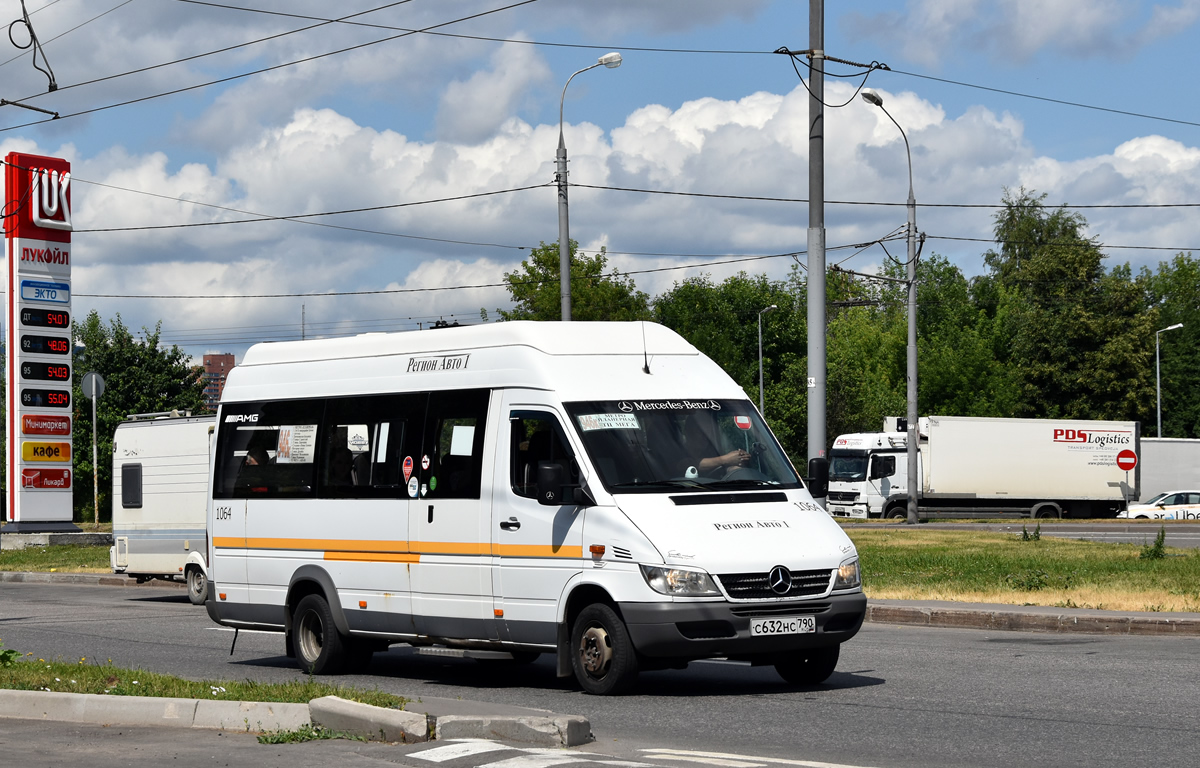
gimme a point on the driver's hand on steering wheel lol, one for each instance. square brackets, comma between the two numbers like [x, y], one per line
[738, 458]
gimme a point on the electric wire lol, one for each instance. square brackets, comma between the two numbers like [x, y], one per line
[262, 70]
[69, 31]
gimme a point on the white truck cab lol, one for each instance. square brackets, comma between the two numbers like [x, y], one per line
[602, 491]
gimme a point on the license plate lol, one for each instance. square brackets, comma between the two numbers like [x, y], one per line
[837, 510]
[783, 625]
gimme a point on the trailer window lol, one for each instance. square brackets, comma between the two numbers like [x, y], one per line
[267, 450]
[370, 445]
[131, 486]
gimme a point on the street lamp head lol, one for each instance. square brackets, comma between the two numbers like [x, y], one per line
[1173, 327]
[611, 60]
[767, 309]
[872, 98]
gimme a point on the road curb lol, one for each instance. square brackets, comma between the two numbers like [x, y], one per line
[1030, 619]
[94, 579]
[331, 712]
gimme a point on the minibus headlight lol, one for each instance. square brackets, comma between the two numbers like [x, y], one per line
[847, 575]
[679, 581]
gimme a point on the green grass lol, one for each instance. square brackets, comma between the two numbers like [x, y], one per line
[31, 673]
[68, 558]
[995, 567]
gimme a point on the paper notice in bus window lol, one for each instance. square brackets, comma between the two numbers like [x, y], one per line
[297, 444]
[589, 422]
[357, 439]
[461, 440]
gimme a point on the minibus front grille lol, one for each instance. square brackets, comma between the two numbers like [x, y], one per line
[756, 586]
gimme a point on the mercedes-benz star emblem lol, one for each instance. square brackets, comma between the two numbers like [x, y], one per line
[780, 580]
[625, 406]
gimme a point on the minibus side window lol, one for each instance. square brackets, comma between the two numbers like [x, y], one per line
[267, 450]
[536, 436]
[365, 441]
[454, 428]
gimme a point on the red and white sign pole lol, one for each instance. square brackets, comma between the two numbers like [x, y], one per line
[37, 229]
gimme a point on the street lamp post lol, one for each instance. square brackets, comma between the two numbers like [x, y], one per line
[612, 61]
[762, 411]
[913, 428]
[1158, 373]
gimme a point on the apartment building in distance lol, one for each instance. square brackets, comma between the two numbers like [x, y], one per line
[216, 369]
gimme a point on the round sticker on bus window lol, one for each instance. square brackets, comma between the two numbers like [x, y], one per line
[425, 462]
[413, 487]
[408, 464]
[433, 483]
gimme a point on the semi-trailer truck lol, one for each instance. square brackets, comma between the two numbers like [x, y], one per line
[986, 467]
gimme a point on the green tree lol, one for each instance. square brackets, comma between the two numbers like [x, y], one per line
[535, 288]
[1175, 291]
[141, 376]
[1071, 332]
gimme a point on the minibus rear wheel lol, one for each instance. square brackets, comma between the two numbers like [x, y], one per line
[320, 649]
[197, 585]
[602, 655]
[811, 666]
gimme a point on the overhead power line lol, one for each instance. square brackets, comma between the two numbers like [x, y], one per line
[262, 70]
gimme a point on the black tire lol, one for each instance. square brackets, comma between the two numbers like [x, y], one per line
[602, 655]
[320, 648]
[1047, 512]
[197, 586]
[897, 513]
[808, 667]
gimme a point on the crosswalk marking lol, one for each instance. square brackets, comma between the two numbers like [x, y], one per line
[718, 761]
[461, 749]
[731, 761]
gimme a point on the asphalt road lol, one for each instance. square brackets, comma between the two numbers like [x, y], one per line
[902, 696]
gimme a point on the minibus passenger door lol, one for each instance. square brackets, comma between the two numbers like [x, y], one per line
[539, 547]
[449, 514]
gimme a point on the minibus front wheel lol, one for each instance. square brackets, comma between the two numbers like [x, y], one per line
[602, 655]
[320, 649]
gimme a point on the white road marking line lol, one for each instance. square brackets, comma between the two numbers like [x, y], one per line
[461, 749]
[719, 761]
[540, 761]
[684, 754]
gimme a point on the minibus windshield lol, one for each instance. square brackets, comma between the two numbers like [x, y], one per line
[654, 446]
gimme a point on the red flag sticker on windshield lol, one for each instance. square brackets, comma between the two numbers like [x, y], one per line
[743, 422]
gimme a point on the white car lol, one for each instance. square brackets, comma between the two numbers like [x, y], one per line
[1172, 505]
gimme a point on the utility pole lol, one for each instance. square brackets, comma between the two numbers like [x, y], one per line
[816, 232]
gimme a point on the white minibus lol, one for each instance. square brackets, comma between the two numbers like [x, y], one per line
[602, 491]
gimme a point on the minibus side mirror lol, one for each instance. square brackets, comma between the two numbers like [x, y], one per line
[818, 477]
[553, 490]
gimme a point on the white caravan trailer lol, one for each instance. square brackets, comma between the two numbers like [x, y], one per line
[602, 491]
[160, 499]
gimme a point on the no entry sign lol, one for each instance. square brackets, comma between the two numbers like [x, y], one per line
[1126, 459]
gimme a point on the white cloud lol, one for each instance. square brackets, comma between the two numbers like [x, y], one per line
[471, 110]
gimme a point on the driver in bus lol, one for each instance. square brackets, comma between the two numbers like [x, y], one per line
[699, 443]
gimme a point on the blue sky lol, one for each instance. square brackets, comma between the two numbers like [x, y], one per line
[424, 117]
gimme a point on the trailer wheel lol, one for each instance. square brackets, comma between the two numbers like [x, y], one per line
[320, 649]
[808, 667]
[602, 655]
[1046, 511]
[197, 585]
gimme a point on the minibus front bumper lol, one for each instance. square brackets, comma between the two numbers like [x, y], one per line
[696, 630]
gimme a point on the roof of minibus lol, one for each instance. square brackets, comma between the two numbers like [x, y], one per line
[574, 338]
[582, 360]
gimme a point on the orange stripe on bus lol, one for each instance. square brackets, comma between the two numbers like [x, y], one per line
[374, 557]
[393, 551]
